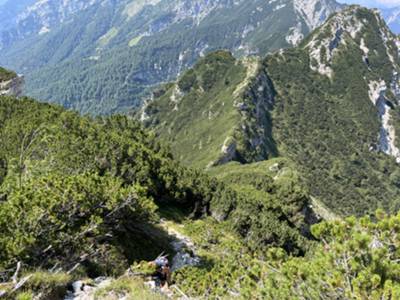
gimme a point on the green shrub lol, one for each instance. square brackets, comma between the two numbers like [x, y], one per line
[25, 296]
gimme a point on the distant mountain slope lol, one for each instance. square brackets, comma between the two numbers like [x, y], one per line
[9, 12]
[330, 104]
[25, 18]
[110, 52]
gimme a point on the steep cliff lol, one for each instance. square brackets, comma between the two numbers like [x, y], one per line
[10, 83]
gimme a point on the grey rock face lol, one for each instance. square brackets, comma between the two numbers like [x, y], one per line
[12, 87]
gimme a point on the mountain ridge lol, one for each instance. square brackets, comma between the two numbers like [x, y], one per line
[241, 161]
[329, 104]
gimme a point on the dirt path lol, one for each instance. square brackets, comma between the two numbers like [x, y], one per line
[185, 255]
[183, 246]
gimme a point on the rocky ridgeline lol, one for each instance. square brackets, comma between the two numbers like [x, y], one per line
[12, 87]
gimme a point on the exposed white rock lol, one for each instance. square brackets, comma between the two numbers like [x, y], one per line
[227, 146]
[322, 68]
[385, 40]
[376, 244]
[341, 25]
[364, 49]
[246, 49]
[295, 35]
[94, 57]
[279, 7]
[182, 58]
[185, 255]
[387, 135]
[184, 248]
[376, 88]
[252, 65]
[202, 50]
[83, 291]
[247, 30]
[44, 30]
[176, 96]
[134, 7]
[12, 87]
[395, 85]
[275, 167]
[228, 152]
[144, 116]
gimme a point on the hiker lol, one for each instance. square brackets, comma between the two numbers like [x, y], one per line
[163, 271]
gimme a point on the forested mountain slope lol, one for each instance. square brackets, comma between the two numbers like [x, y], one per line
[102, 55]
[329, 104]
[87, 194]
[82, 198]
[87, 204]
